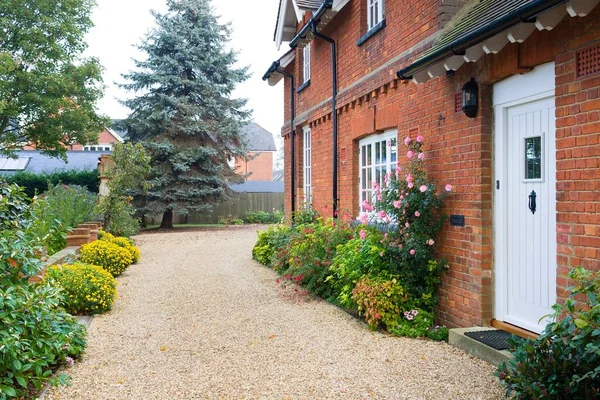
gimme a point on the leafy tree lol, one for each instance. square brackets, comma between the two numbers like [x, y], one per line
[184, 113]
[127, 171]
[47, 91]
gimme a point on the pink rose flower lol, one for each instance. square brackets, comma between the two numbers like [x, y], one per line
[412, 252]
[367, 206]
[448, 188]
[430, 242]
[410, 185]
[375, 185]
[364, 219]
[407, 224]
[397, 203]
[401, 197]
[410, 154]
[421, 156]
[362, 234]
[419, 138]
[423, 188]
[382, 214]
[409, 178]
[407, 141]
[417, 214]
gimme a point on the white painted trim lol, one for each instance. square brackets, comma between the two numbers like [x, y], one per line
[378, 4]
[307, 167]
[339, 4]
[306, 63]
[115, 135]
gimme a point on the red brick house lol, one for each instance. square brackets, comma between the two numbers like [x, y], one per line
[106, 141]
[531, 68]
[258, 164]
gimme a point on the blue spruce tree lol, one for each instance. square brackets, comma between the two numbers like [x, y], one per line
[184, 113]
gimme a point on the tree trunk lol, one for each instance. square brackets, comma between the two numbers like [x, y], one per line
[167, 220]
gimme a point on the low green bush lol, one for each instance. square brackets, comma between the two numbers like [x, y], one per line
[564, 361]
[34, 184]
[36, 336]
[311, 253]
[263, 217]
[380, 300]
[113, 258]
[87, 289]
[414, 323]
[270, 242]
[230, 220]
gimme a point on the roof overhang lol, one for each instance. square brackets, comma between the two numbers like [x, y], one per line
[512, 27]
[288, 17]
[273, 74]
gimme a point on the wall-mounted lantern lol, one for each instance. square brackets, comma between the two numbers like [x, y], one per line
[469, 98]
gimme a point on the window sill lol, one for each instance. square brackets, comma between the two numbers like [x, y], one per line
[303, 86]
[371, 32]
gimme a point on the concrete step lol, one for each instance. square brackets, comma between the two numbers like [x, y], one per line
[477, 349]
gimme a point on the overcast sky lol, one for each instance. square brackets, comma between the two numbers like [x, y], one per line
[120, 24]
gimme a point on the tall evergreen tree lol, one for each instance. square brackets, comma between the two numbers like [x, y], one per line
[184, 113]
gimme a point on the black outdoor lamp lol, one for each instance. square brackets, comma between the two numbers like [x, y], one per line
[469, 98]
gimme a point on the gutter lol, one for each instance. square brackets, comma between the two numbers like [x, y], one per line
[524, 13]
[327, 4]
[275, 67]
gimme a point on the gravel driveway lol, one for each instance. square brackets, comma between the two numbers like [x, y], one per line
[197, 318]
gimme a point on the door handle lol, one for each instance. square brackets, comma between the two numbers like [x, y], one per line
[532, 205]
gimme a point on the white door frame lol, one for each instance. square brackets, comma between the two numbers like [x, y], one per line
[513, 91]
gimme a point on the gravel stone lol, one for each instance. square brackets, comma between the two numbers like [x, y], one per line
[197, 318]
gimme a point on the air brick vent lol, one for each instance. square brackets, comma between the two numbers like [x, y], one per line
[588, 61]
[458, 102]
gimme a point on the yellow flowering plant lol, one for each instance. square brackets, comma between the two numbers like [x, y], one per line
[112, 257]
[87, 289]
[125, 243]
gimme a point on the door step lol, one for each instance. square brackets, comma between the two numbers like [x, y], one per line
[458, 339]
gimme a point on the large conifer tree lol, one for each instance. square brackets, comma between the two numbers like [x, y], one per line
[184, 113]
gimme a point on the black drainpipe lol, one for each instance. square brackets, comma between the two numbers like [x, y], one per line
[292, 138]
[313, 28]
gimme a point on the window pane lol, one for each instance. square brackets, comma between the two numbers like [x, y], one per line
[384, 150]
[378, 153]
[369, 156]
[533, 158]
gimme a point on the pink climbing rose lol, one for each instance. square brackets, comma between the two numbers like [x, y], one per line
[448, 188]
[417, 214]
[362, 234]
[410, 185]
[412, 252]
[410, 154]
[397, 203]
[423, 188]
[421, 156]
[364, 219]
[382, 214]
[419, 138]
[407, 141]
[430, 242]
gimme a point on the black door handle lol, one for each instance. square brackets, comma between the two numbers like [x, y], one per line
[532, 204]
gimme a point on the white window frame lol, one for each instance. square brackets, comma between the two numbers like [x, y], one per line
[373, 169]
[306, 63]
[375, 13]
[307, 168]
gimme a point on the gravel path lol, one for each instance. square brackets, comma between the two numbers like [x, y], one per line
[198, 319]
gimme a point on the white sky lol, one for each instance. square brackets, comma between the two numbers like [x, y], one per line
[120, 24]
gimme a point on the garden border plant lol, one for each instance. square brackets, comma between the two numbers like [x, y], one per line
[391, 277]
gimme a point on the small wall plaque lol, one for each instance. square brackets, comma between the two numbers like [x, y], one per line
[457, 220]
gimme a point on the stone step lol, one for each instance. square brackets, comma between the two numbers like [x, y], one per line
[477, 349]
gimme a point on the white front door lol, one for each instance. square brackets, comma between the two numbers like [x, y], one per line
[525, 201]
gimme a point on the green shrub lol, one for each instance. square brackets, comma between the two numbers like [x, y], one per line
[305, 216]
[413, 323]
[380, 300]
[362, 255]
[87, 289]
[564, 361]
[270, 242]
[39, 183]
[230, 220]
[36, 336]
[113, 258]
[123, 220]
[263, 217]
[311, 253]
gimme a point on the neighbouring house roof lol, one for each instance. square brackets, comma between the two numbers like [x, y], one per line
[485, 27]
[309, 4]
[35, 162]
[258, 187]
[258, 138]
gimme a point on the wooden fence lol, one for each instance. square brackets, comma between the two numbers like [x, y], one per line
[236, 208]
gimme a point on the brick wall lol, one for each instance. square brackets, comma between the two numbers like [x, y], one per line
[459, 149]
[258, 164]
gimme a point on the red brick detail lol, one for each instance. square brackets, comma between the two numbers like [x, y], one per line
[588, 61]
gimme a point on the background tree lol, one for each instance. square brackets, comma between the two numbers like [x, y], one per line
[127, 170]
[47, 91]
[184, 113]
